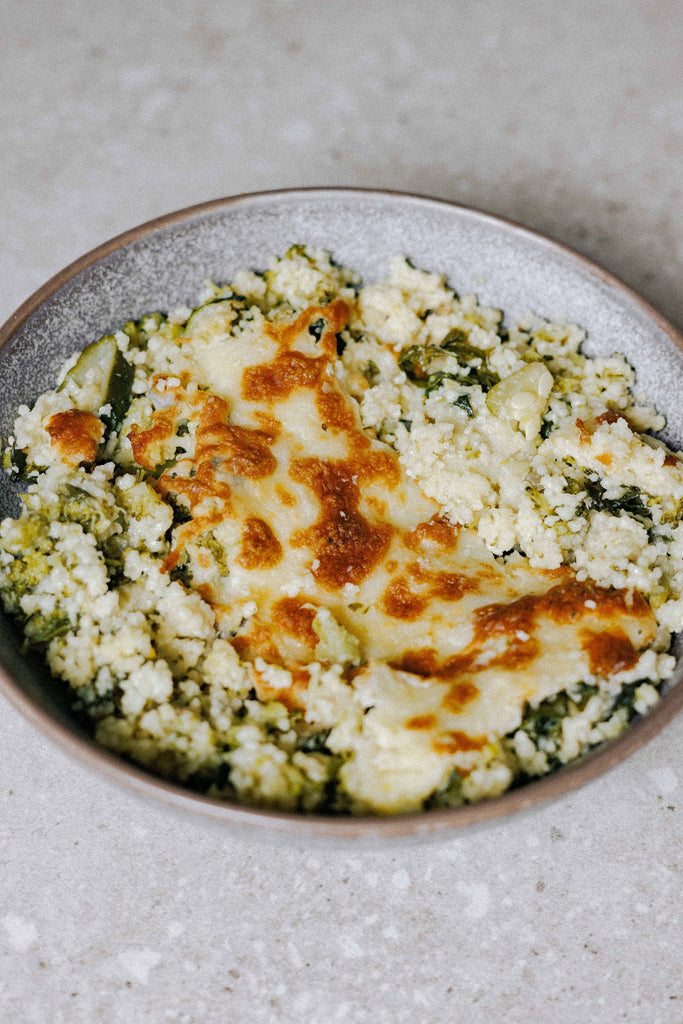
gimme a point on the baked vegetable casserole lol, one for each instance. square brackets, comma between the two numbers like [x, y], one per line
[346, 548]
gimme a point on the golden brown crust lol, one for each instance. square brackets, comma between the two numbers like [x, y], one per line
[76, 434]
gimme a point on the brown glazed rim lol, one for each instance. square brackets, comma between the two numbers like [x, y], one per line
[298, 825]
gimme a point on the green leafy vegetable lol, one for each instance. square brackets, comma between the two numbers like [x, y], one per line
[420, 363]
[463, 402]
[315, 743]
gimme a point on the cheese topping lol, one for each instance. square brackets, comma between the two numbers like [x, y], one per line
[299, 497]
[76, 433]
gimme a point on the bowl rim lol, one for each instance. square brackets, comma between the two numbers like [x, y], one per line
[296, 824]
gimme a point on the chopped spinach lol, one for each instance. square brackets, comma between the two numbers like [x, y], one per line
[317, 328]
[415, 360]
[626, 698]
[545, 721]
[40, 628]
[15, 463]
[457, 341]
[629, 501]
[435, 380]
[181, 514]
[371, 372]
[315, 743]
[182, 573]
[167, 464]
[419, 363]
[463, 402]
[581, 694]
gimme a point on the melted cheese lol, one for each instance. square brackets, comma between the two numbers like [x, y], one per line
[76, 434]
[291, 507]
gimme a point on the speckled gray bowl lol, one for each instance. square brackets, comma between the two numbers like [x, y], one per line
[163, 264]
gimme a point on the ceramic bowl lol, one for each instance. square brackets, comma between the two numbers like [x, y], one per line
[162, 264]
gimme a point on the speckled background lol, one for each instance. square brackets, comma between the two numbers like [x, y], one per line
[565, 117]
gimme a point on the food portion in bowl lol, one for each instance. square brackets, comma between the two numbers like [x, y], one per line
[347, 548]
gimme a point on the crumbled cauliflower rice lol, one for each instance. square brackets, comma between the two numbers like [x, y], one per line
[349, 549]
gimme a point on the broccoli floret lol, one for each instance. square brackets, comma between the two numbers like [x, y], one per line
[40, 628]
[21, 576]
[77, 506]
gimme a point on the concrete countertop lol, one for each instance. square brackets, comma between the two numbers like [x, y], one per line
[564, 117]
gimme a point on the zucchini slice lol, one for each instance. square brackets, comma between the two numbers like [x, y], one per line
[103, 377]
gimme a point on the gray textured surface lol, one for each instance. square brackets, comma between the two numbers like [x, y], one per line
[565, 117]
